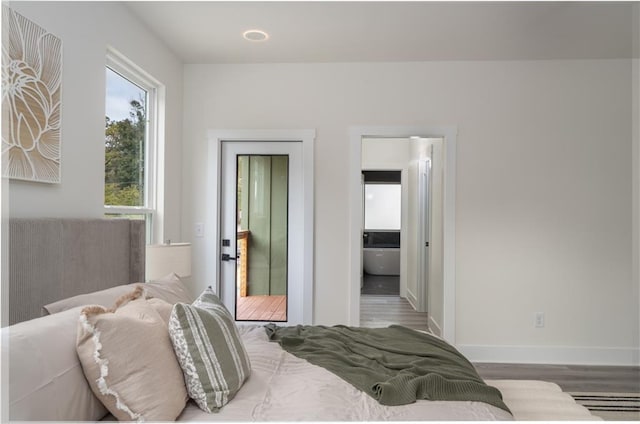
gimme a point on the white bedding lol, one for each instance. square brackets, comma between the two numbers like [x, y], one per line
[283, 387]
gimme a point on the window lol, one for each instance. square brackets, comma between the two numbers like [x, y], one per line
[382, 206]
[131, 143]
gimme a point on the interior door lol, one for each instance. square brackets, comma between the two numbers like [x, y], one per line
[261, 231]
[424, 208]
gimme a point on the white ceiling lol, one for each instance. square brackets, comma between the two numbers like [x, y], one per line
[337, 31]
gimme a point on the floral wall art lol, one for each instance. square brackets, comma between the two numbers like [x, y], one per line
[31, 85]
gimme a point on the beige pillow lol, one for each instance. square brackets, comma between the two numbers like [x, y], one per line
[128, 359]
[169, 288]
[45, 378]
[106, 297]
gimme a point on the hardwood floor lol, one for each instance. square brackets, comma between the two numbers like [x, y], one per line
[382, 311]
[571, 378]
[380, 284]
[262, 308]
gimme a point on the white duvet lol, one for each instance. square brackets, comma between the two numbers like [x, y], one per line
[283, 387]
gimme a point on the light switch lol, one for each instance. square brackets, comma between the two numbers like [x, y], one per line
[198, 229]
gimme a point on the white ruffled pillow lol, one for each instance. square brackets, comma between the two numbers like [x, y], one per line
[128, 359]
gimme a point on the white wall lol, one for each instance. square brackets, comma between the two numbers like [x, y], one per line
[86, 29]
[543, 199]
[385, 153]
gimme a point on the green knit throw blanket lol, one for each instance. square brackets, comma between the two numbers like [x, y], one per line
[394, 365]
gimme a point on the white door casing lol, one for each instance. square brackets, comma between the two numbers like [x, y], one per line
[223, 148]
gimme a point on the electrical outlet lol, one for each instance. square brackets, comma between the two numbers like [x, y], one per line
[539, 320]
[198, 228]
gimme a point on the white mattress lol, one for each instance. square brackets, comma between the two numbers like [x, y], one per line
[283, 387]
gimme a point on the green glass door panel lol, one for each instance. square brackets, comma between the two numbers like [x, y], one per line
[259, 214]
[279, 205]
[262, 222]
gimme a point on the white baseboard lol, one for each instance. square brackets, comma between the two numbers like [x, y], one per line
[413, 300]
[434, 327]
[566, 355]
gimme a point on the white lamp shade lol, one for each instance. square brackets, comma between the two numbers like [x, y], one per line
[163, 259]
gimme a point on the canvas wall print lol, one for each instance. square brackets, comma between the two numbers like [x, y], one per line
[31, 85]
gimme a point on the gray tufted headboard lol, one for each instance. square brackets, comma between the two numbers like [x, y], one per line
[52, 259]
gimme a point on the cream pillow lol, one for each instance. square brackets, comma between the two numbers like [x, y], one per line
[128, 359]
[169, 288]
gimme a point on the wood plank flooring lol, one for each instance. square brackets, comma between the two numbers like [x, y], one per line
[571, 378]
[382, 311]
[262, 308]
[380, 284]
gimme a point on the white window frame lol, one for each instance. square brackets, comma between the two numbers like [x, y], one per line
[153, 143]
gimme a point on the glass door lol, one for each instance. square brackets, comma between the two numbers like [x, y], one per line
[261, 231]
[262, 183]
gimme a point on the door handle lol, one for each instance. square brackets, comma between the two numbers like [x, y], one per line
[227, 257]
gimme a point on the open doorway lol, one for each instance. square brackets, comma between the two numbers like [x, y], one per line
[396, 224]
[382, 207]
[432, 296]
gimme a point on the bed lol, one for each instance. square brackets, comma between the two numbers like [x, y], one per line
[283, 387]
[56, 258]
[46, 381]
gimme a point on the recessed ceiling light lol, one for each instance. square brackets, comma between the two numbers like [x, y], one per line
[255, 35]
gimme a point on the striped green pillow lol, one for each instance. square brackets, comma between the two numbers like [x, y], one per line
[210, 351]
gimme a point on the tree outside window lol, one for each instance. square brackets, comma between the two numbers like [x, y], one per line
[124, 143]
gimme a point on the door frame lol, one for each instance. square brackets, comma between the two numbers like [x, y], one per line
[213, 230]
[449, 135]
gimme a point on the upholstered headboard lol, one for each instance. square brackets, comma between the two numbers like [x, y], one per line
[52, 259]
